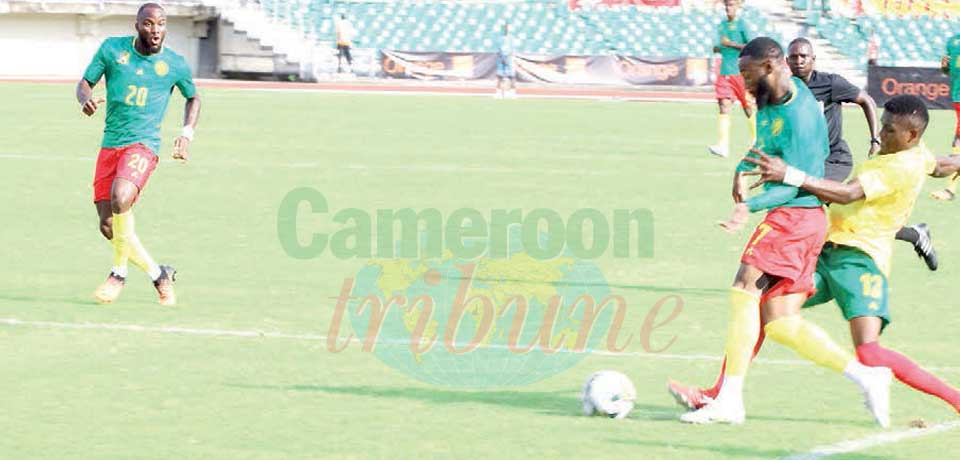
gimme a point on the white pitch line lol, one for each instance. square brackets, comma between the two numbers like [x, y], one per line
[868, 442]
[177, 330]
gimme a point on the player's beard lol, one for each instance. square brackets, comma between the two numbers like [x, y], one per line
[763, 93]
[147, 42]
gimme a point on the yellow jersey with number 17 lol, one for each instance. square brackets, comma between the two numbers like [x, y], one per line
[138, 90]
[891, 184]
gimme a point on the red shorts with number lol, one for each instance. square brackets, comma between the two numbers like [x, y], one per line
[134, 162]
[731, 87]
[786, 244]
[956, 108]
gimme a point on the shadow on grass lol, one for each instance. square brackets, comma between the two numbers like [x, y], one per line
[560, 403]
[864, 422]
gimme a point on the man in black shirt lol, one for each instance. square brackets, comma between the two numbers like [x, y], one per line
[832, 90]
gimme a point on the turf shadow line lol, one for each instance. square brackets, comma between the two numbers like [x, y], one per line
[559, 403]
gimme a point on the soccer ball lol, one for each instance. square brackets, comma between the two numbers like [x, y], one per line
[608, 393]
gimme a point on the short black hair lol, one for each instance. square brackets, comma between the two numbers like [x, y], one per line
[910, 107]
[148, 6]
[800, 41]
[762, 48]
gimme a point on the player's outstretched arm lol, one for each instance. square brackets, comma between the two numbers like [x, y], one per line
[771, 169]
[88, 104]
[191, 115]
[869, 107]
[947, 166]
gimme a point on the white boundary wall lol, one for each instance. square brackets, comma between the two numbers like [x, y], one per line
[61, 43]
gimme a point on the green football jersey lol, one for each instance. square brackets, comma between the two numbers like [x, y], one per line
[138, 90]
[797, 132]
[735, 31]
[953, 51]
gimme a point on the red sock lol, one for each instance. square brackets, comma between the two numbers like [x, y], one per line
[713, 391]
[908, 372]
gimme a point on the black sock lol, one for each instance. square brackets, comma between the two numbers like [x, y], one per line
[908, 234]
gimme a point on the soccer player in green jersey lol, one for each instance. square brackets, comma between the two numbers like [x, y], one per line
[950, 64]
[776, 272]
[732, 36]
[140, 76]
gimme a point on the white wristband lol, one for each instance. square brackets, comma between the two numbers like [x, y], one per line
[794, 177]
[187, 133]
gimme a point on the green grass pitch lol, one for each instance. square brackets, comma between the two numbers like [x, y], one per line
[74, 392]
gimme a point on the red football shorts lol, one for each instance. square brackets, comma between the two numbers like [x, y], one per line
[786, 244]
[731, 87]
[956, 108]
[133, 162]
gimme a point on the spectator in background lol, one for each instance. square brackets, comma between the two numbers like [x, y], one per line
[345, 34]
[506, 74]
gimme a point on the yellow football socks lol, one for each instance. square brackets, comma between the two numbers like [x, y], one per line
[121, 249]
[744, 328]
[809, 341]
[125, 240]
[723, 130]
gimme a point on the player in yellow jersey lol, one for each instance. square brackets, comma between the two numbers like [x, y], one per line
[854, 265]
[778, 263]
[141, 74]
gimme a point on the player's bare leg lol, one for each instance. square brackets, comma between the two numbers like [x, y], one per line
[787, 327]
[105, 214]
[125, 240]
[722, 147]
[865, 332]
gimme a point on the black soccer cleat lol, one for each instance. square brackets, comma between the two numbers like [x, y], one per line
[924, 246]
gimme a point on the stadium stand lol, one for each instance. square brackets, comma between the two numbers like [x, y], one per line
[900, 41]
[902, 37]
[538, 27]
[291, 36]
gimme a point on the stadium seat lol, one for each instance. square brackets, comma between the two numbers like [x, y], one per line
[538, 26]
